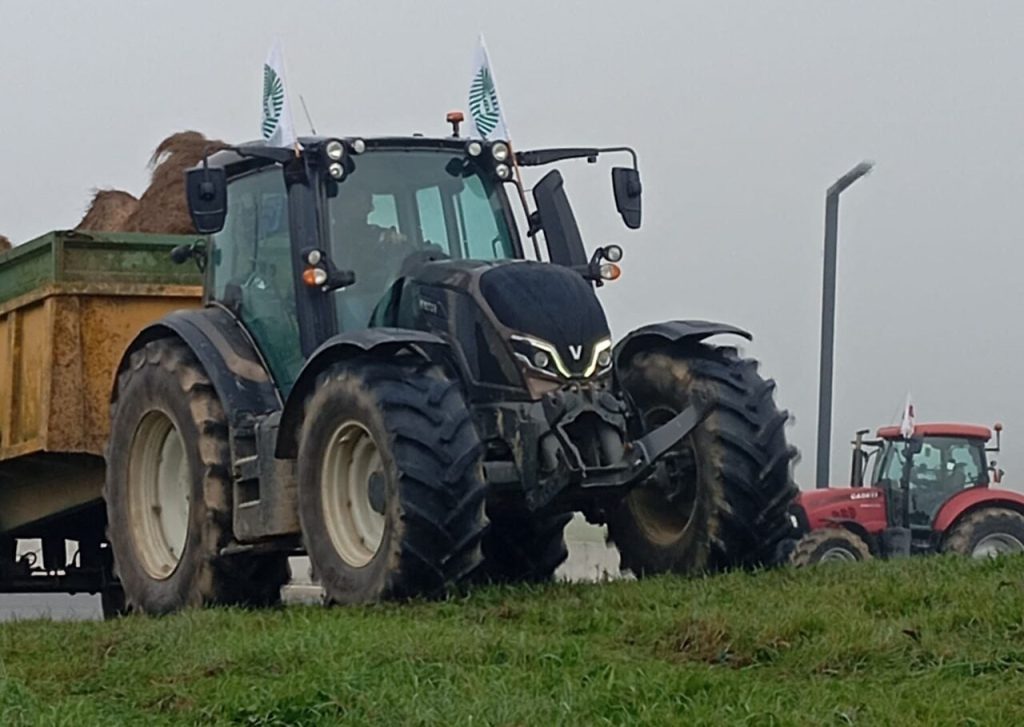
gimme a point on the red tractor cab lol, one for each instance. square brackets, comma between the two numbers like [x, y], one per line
[929, 493]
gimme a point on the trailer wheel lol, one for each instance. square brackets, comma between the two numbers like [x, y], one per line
[829, 545]
[168, 490]
[391, 491]
[720, 498]
[987, 533]
[522, 547]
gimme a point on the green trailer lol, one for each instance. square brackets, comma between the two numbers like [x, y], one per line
[70, 303]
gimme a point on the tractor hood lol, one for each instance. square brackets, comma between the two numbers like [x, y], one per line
[865, 506]
[514, 321]
[549, 306]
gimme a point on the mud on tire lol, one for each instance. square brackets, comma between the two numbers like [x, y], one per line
[721, 500]
[164, 385]
[987, 532]
[418, 532]
[829, 544]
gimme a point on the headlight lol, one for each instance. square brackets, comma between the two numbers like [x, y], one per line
[334, 150]
[600, 358]
[500, 151]
[502, 171]
[543, 357]
[336, 170]
[612, 253]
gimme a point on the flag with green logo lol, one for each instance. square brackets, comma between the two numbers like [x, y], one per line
[276, 122]
[487, 120]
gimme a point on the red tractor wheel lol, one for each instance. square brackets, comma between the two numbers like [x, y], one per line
[987, 533]
[829, 545]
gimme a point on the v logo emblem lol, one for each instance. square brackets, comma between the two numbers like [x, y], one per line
[576, 352]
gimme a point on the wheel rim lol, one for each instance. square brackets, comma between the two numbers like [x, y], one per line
[997, 544]
[159, 492]
[664, 521]
[355, 527]
[837, 555]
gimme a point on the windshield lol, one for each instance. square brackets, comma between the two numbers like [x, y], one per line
[398, 208]
[944, 466]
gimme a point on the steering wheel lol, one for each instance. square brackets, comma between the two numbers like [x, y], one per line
[431, 252]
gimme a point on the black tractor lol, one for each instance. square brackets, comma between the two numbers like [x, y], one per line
[382, 380]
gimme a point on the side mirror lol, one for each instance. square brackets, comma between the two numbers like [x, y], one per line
[628, 190]
[565, 244]
[207, 191]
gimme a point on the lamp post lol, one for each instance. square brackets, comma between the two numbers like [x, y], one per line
[828, 318]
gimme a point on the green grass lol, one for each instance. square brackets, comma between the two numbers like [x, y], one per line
[928, 641]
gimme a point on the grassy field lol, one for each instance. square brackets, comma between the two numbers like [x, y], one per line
[930, 641]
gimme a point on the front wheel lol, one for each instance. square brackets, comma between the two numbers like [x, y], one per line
[391, 492]
[987, 533]
[720, 498]
[829, 545]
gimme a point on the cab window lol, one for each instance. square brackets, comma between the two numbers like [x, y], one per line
[251, 269]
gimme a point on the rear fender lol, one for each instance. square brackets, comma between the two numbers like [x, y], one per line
[385, 342]
[226, 353]
[973, 499]
[656, 334]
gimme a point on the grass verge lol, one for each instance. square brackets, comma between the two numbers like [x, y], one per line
[928, 641]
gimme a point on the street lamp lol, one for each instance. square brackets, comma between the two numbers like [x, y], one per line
[828, 318]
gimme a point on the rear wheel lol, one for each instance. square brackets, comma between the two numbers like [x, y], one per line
[391, 493]
[987, 533]
[168, 491]
[720, 498]
[522, 547]
[829, 545]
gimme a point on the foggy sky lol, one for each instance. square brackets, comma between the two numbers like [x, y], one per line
[742, 113]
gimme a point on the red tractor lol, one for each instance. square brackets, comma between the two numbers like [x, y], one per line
[929, 493]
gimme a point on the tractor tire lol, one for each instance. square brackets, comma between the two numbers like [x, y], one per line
[987, 533]
[829, 545]
[721, 499]
[168, 491]
[524, 548]
[390, 485]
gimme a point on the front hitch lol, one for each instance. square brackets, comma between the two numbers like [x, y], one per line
[644, 452]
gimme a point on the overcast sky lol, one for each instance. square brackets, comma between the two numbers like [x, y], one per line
[742, 113]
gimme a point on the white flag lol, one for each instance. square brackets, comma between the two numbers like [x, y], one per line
[487, 120]
[276, 124]
[907, 423]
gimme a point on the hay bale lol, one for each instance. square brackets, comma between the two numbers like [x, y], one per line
[109, 211]
[5, 244]
[163, 207]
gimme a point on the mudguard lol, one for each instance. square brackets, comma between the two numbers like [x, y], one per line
[387, 341]
[671, 332]
[971, 499]
[229, 357]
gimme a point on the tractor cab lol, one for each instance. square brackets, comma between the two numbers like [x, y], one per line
[920, 474]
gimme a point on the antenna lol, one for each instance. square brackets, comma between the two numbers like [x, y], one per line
[309, 118]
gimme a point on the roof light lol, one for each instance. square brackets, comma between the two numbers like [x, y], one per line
[500, 151]
[358, 146]
[334, 150]
[474, 148]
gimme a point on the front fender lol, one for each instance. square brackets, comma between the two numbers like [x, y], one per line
[967, 500]
[654, 334]
[344, 346]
